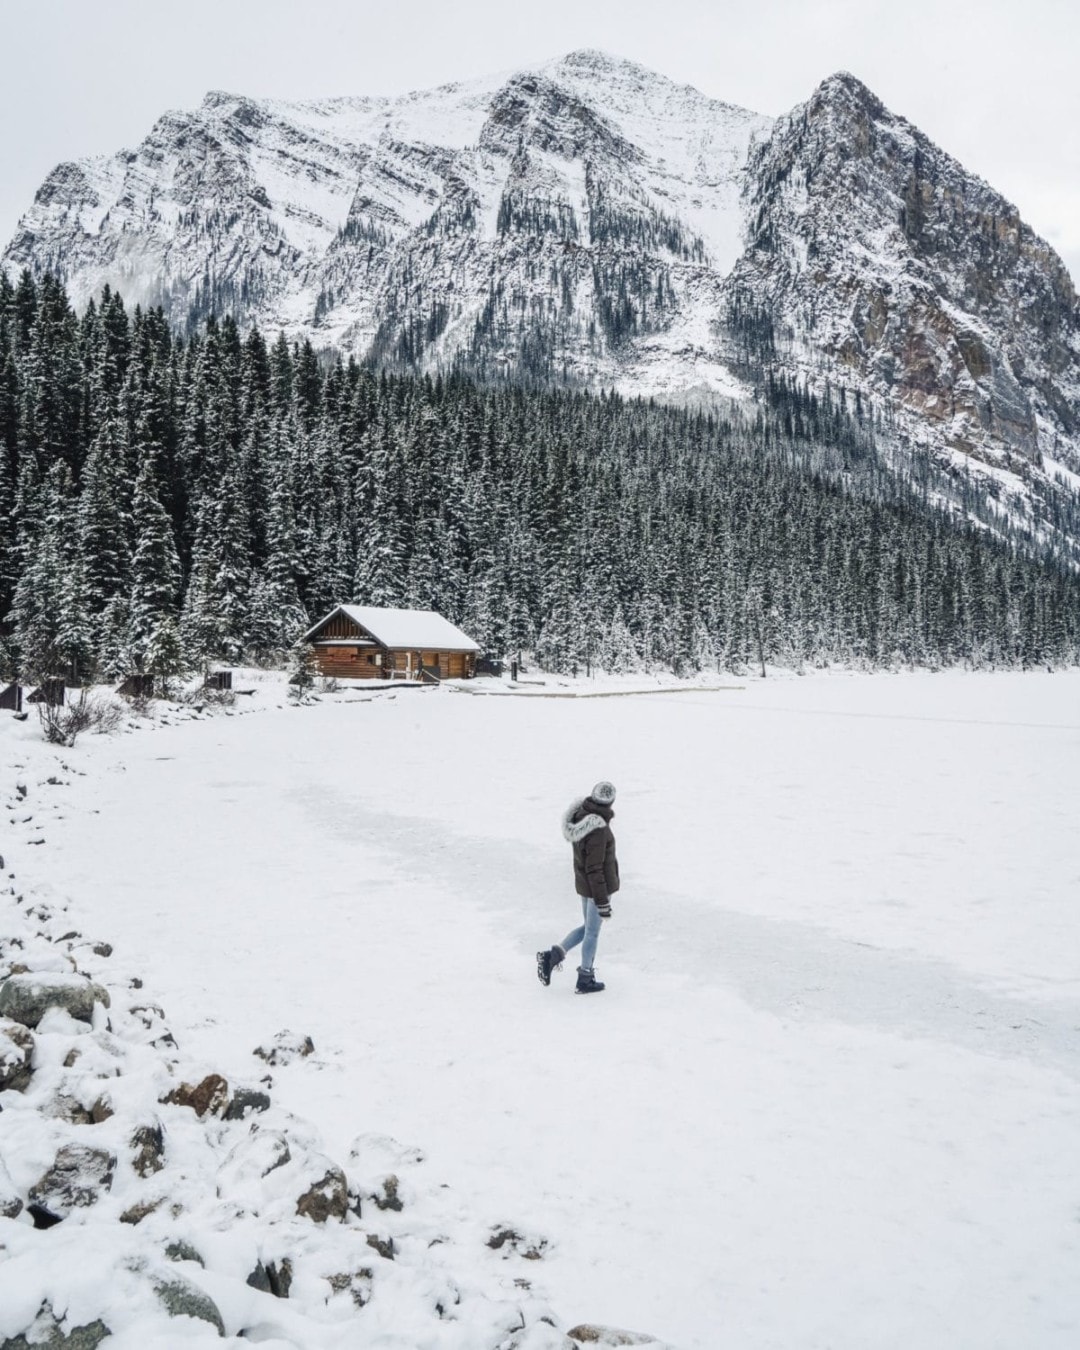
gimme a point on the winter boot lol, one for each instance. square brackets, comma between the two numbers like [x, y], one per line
[587, 982]
[548, 961]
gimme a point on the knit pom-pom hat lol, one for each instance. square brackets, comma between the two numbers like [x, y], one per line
[603, 792]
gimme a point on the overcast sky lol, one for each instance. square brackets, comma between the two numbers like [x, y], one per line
[994, 83]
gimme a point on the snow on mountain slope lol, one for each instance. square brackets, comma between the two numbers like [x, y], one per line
[478, 210]
[588, 220]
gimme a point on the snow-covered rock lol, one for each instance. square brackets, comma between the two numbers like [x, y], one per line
[16, 1052]
[27, 998]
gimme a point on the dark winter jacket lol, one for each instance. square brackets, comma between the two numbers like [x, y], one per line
[587, 825]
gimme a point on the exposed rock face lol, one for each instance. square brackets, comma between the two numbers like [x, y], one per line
[883, 264]
[27, 998]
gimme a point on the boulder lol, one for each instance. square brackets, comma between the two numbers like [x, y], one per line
[245, 1102]
[387, 1197]
[255, 1156]
[16, 1053]
[10, 1202]
[357, 1285]
[589, 1333]
[509, 1240]
[327, 1199]
[76, 1179]
[142, 1209]
[66, 1107]
[46, 1332]
[147, 1150]
[179, 1250]
[27, 998]
[181, 1298]
[153, 1021]
[210, 1097]
[286, 1047]
[272, 1278]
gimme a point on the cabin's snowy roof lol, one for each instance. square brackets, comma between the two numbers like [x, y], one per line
[415, 628]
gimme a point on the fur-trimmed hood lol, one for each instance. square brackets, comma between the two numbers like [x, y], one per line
[574, 831]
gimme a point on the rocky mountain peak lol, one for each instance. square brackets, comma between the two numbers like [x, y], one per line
[589, 220]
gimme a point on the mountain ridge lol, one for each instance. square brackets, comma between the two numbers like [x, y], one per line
[588, 221]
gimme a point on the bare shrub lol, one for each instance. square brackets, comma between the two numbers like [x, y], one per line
[62, 723]
[200, 698]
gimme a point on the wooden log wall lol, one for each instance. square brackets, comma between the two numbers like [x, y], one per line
[358, 663]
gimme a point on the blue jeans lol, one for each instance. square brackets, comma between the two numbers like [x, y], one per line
[588, 934]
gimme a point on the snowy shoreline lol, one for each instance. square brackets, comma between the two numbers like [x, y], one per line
[138, 1185]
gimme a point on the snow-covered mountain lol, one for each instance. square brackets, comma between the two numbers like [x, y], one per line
[590, 220]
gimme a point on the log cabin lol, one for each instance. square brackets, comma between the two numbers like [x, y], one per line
[359, 642]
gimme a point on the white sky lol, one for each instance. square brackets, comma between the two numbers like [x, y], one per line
[993, 82]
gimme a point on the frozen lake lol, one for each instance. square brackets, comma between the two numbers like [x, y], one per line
[830, 1096]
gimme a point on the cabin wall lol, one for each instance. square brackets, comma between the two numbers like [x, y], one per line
[450, 665]
[352, 663]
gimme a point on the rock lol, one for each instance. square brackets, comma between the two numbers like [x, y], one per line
[179, 1250]
[327, 1199]
[47, 1333]
[147, 1145]
[27, 998]
[272, 1278]
[384, 1246]
[181, 1298]
[75, 1180]
[588, 1333]
[246, 1101]
[10, 1202]
[101, 1110]
[527, 1248]
[65, 1107]
[16, 1053]
[153, 1019]
[357, 1285]
[253, 1158]
[209, 1097]
[142, 1209]
[286, 1047]
[102, 949]
[389, 1198]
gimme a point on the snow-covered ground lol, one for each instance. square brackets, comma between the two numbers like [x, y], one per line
[830, 1096]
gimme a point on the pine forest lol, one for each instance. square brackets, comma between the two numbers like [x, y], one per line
[168, 501]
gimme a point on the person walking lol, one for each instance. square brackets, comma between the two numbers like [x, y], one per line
[587, 826]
